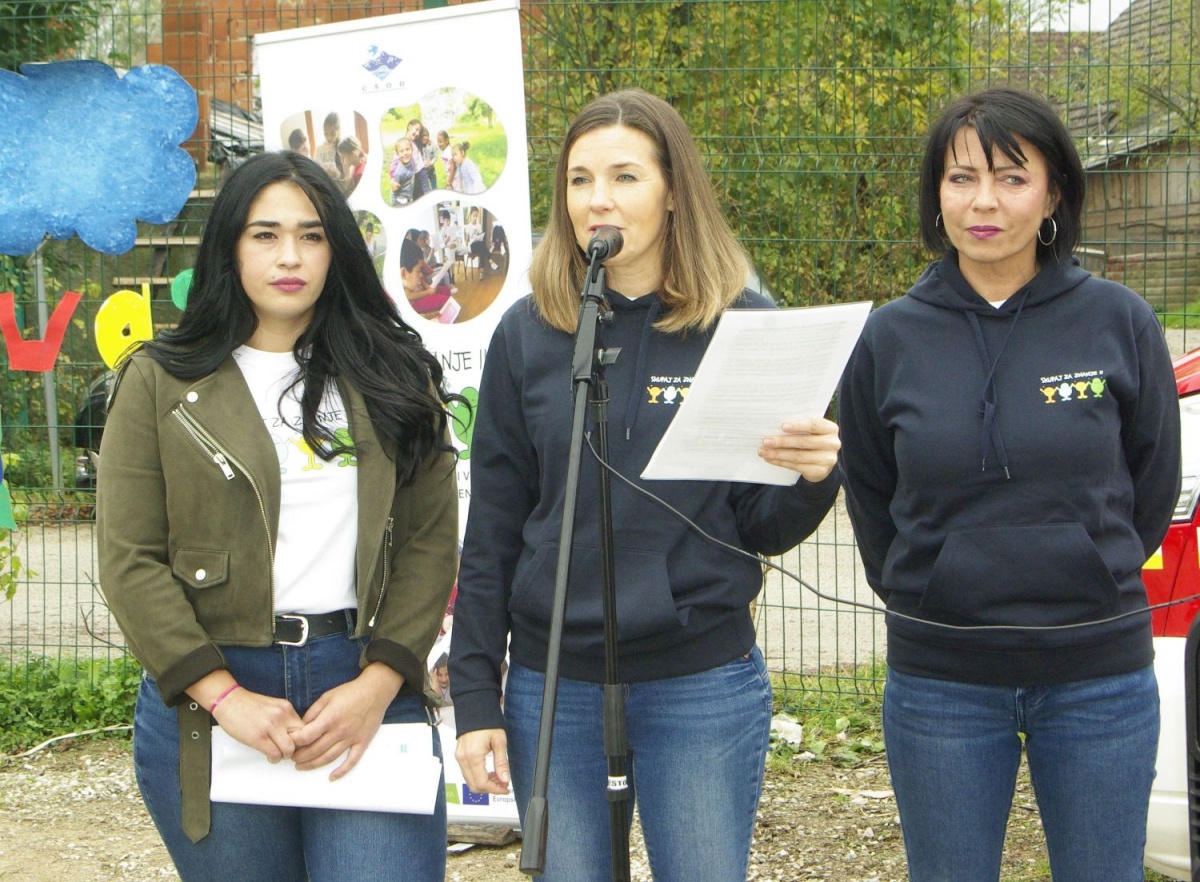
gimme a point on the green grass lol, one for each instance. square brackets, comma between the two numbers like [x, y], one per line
[489, 143]
[840, 713]
[489, 148]
[43, 698]
[1179, 319]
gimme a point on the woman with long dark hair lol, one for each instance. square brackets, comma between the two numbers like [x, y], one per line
[277, 525]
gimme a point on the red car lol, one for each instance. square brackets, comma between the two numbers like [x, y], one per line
[1172, 573]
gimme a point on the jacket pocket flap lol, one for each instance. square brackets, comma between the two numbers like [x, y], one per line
[201, 568]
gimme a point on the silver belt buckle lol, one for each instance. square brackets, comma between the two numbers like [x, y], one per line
[303, 620]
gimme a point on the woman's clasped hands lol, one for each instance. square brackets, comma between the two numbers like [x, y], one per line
[341, 722]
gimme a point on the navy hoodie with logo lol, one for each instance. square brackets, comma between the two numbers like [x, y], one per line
[1011, 466]
[682, 601]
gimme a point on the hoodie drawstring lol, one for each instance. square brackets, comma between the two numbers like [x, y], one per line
[636, 392]
[990, 431]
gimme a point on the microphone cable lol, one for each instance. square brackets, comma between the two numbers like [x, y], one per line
[869, 607]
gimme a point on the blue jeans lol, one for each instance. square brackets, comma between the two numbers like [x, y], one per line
[697, 748]
[953, 750]
[269, 843]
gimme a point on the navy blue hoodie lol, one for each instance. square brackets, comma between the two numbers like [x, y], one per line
[1011, 466]
[682, 601]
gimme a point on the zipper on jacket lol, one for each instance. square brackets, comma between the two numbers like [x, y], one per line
[387, 555]
[222, 460]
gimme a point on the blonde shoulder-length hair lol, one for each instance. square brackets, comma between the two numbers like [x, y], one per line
[704, 266]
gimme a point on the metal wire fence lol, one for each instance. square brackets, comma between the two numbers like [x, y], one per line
[810, 115]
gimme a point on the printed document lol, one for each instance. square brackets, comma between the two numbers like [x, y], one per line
[397, 773]
[762, 368]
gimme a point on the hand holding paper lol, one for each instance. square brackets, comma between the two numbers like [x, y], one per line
[397, 773]
[764, 368]
[345, 719]
[808, 447]
[261, 722]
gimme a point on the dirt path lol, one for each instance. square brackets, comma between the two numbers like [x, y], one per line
[74, 815]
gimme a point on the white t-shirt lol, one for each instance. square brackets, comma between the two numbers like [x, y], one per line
[318, 510]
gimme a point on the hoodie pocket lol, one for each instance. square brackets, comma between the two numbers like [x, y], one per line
[644, 602]
[1043, 574]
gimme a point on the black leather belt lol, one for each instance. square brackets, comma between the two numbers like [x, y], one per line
[294, 629]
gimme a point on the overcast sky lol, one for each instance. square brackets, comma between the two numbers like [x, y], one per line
[1095, 15]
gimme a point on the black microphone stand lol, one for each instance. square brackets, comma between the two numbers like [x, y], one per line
[587, 375]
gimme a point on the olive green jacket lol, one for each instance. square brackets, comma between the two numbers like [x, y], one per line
[187, 514]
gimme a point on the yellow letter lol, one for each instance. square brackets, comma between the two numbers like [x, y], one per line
[122, 320]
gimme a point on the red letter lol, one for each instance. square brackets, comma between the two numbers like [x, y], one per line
[35, 355]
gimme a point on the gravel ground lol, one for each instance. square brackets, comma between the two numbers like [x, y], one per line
[73, 814]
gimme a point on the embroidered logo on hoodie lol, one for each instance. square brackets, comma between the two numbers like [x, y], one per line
[668, 390]
[1077, 386]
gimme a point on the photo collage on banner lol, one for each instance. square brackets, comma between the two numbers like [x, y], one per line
[420, 118]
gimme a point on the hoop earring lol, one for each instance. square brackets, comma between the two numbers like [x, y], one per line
[1053, 234]
[937, 221]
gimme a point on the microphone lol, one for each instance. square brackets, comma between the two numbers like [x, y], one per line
[606, 242]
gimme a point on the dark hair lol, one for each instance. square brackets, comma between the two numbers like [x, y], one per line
[422, 132]
[356, 333]
[999, 116]
[410, 254]
[296, 138]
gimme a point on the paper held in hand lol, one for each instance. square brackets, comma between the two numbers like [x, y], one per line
[762, 368]
[397, 773]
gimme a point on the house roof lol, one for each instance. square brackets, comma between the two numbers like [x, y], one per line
[1141, 36]
[1145, 24]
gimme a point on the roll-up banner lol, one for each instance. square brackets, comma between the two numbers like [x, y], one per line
[420, 117]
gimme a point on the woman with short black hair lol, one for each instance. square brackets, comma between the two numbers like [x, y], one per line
[1011, 455]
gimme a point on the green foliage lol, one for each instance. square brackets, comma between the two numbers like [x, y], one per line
[40, 31]
[44, 698]
[474, 124]
[810, 123]
[10, 566]
[120, 38]
[1186, 318]
[840, 713]
[1154, 87]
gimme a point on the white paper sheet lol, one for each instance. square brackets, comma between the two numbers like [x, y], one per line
[397, 773]
[762, 368]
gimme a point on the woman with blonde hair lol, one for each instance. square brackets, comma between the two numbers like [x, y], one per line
[698, 699]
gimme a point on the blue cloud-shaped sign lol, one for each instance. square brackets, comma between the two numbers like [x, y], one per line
[87, 151]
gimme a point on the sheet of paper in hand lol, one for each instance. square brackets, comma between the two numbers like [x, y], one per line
[397, 773]
[762, 368]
